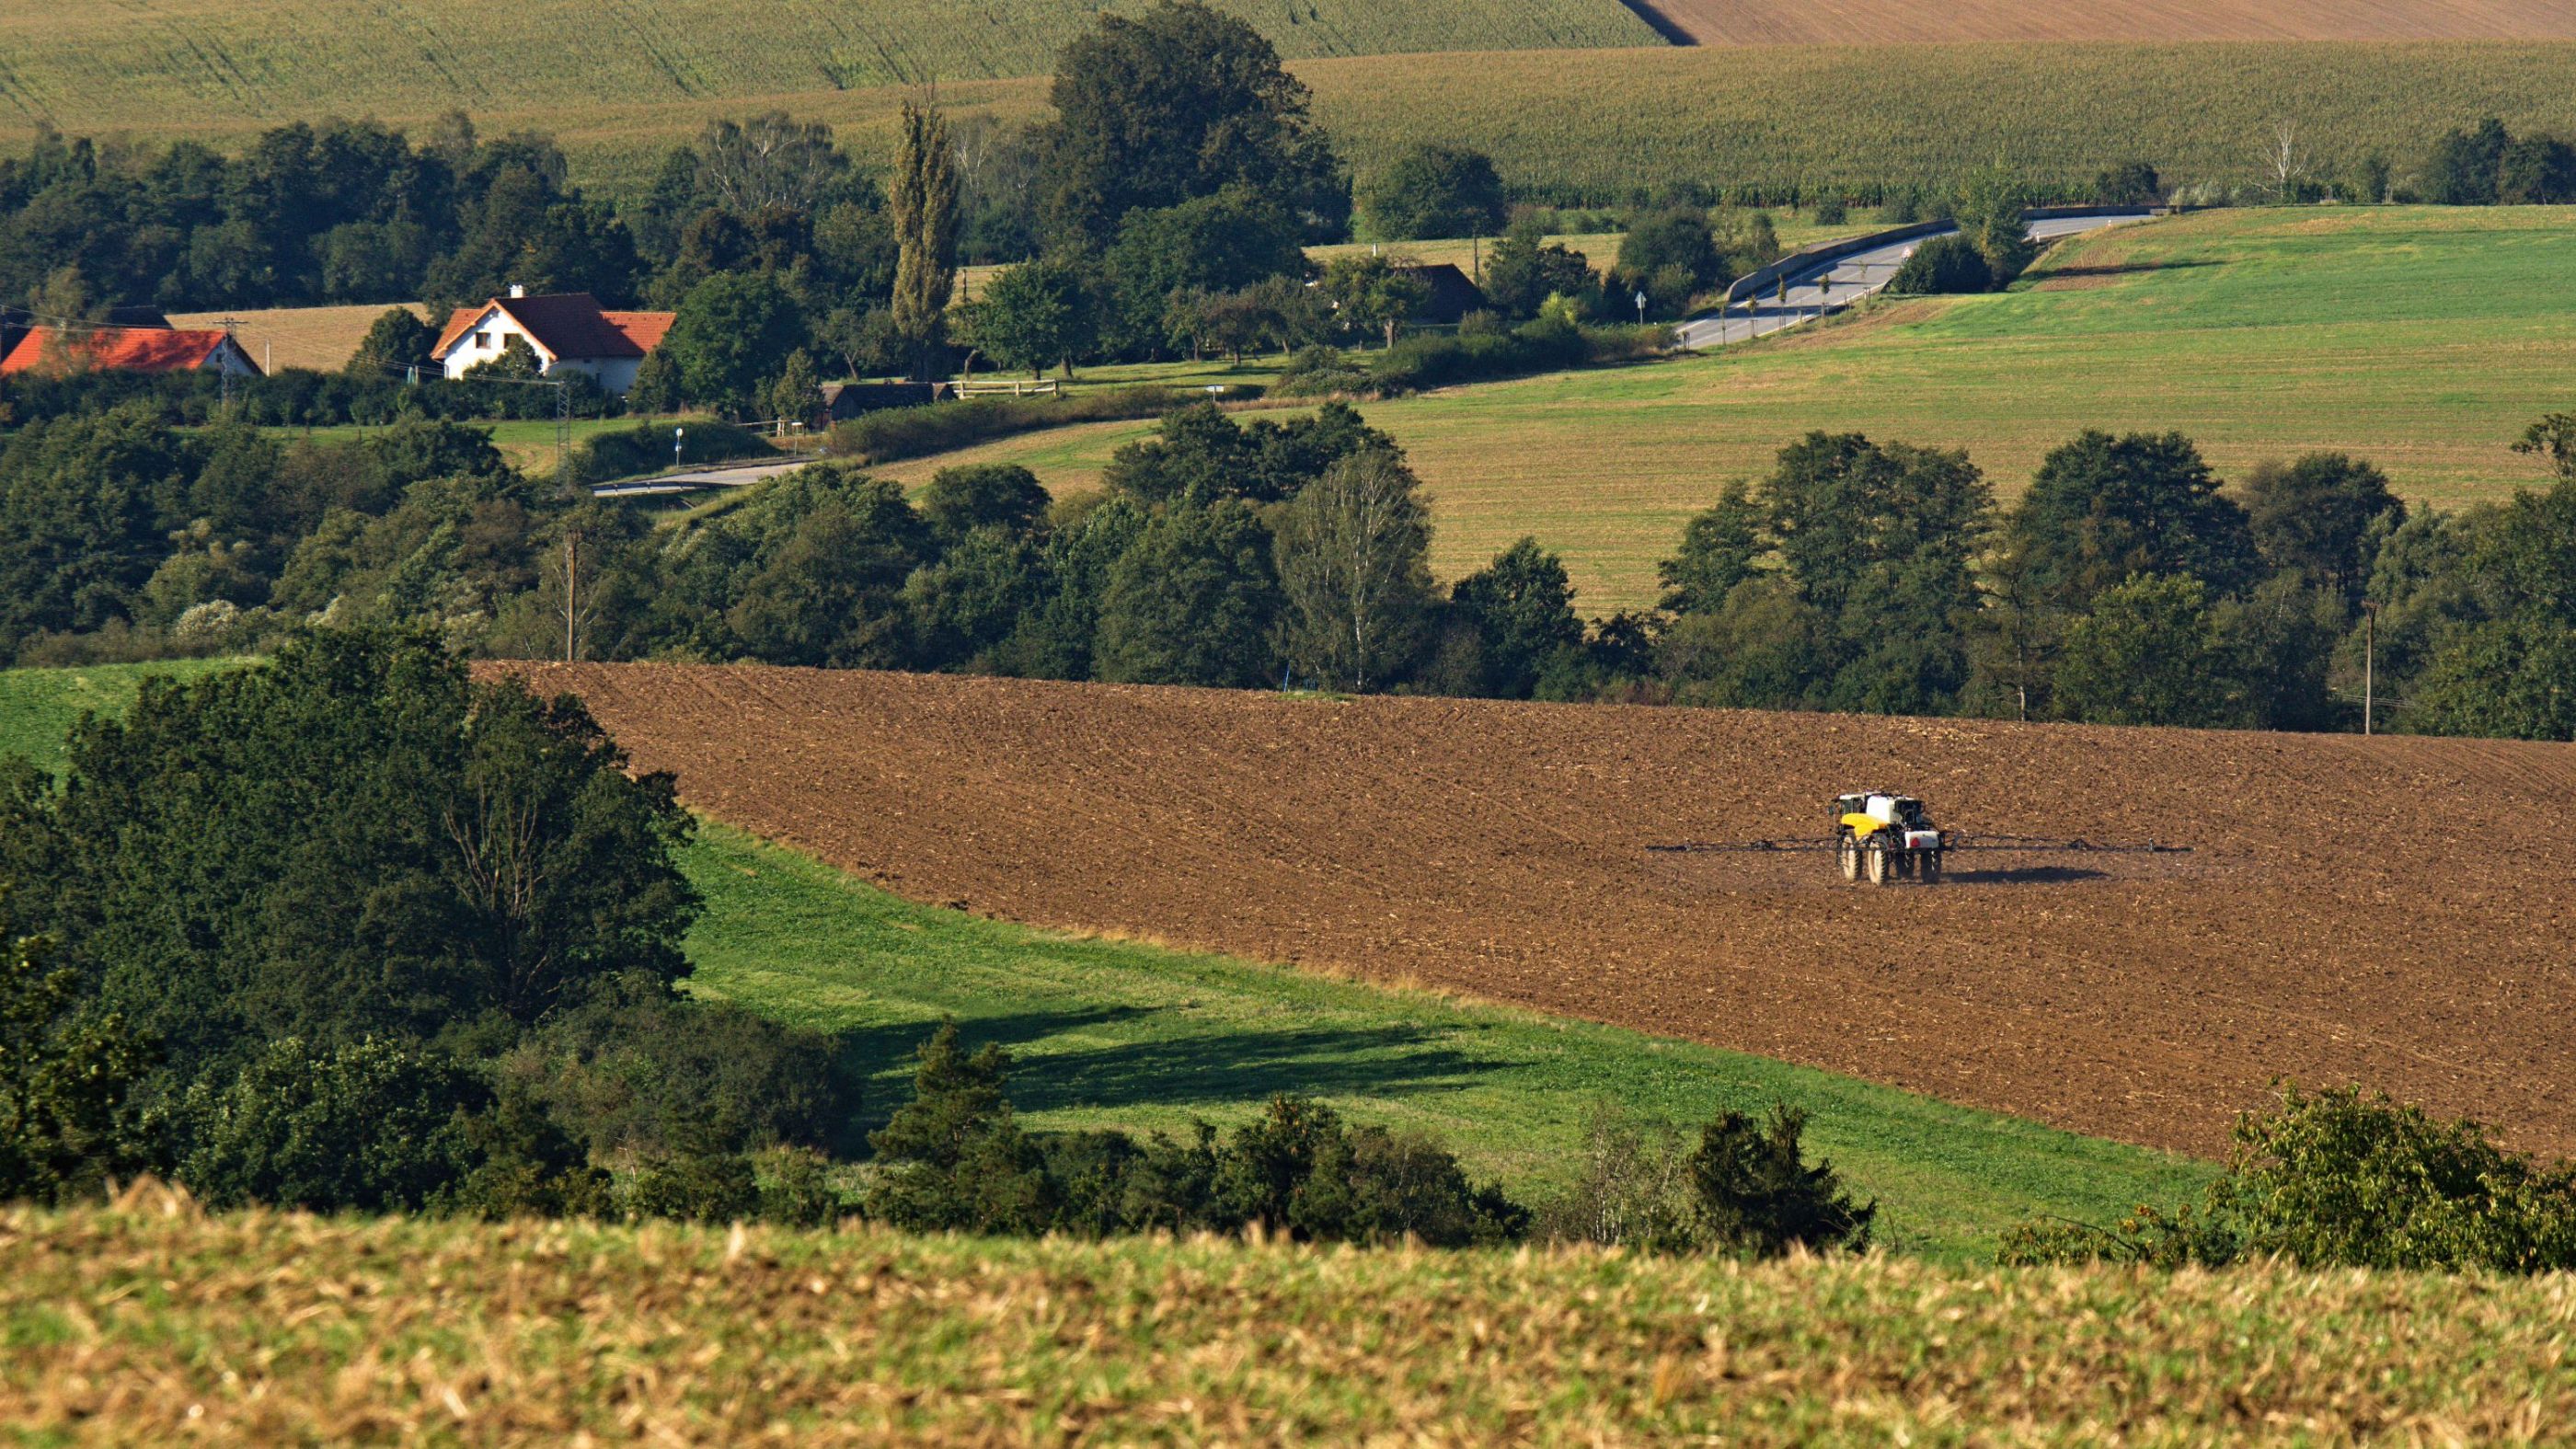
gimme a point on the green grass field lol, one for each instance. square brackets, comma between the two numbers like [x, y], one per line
[37, 706]
[2423, 339]
[154, 1323]
[1110, 1033]
[1606, 123]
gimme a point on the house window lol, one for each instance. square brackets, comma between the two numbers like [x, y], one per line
[483, 339]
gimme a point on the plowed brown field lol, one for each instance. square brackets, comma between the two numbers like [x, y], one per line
[2399, 912]
[1904, 22]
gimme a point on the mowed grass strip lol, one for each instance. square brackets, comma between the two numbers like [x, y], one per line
[1110, 1033]
[2424, 339]
[157, 1324]
[1130, 1035]
[1604, 124]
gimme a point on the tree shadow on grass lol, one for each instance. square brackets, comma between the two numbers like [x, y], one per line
[1247, 1068]
[1214, 1068]
[2125, 269]
[887, 1049]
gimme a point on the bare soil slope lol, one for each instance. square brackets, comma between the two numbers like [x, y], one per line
[2393, 911]
[1898, 22]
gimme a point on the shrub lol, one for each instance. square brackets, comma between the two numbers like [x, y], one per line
[1757, 1194]
[1322, 371]
[955, 1159]
[64, 1079]
[646, 448]
[1832, 211]
[898, 433]
[2346, 1180]
[1634, 1191]
[1942, 266]
[375, 1126]
[1426, 361]
[1746, 1189]
[619, 1069]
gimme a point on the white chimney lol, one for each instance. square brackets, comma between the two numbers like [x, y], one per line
[517, 291]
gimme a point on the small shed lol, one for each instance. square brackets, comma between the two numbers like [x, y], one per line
[843, 401]
[1453, 294]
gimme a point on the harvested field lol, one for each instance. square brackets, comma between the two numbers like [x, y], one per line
[2354, 910]
[1915, 22]
[321, 338]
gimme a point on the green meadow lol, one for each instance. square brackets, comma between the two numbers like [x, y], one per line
[2424, 339]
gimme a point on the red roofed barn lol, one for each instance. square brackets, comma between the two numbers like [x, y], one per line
[568, 330]
[128, 349]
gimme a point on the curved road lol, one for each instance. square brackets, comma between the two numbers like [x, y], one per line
[1834, 285]
[1829, 287]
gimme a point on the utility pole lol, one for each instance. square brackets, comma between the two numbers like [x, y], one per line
[2369, 665]
[224, 365]
[563, 434]
[572, 594]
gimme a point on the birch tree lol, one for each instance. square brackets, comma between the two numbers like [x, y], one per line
[1352, 547]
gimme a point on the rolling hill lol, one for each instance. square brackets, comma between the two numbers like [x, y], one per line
[2424, 339]
[2350, 910]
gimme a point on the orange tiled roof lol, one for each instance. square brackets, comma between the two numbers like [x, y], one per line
[644, 329]
[457, 322]
[121, 350]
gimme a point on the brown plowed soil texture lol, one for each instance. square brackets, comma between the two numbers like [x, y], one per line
[1914, 22]
[2394, 912]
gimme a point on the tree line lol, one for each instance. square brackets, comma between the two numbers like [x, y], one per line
[2126, 585]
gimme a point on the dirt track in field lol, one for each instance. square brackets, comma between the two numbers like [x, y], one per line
[2398, 912]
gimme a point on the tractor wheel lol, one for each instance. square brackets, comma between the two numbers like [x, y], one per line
[1848, 850]
[1931, 867]
[1878, 865]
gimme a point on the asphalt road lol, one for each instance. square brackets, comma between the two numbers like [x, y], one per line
[1835, 285]
[690, 480]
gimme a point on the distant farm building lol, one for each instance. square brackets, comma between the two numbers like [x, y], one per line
[1451, 294]
[127, 349]
[568, 331]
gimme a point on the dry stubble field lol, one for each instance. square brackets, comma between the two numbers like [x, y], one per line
[2378, 911]
[151, 1323]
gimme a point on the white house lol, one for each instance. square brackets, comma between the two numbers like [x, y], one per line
[568, 330]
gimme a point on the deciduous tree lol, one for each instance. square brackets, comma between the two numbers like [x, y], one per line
[1353, 551]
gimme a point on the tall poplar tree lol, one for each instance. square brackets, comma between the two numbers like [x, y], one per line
[925, 228]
